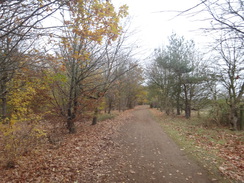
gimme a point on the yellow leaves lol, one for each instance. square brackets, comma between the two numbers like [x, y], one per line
[21, 128]
[57, 77]
[41, 3]
[123, 11]
[96, 20]
[63, 68]
[37, 132]
[76, 30]
[142, 95]
[35, 50]
[19, 138]
[97, 8]
[81, 56]
[21, 96]
[76, 56]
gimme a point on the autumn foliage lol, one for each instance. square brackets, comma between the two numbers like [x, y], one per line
[52, 75]
[64, 65]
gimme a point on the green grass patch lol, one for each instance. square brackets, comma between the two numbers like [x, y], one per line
[106, 116]
[199, 142]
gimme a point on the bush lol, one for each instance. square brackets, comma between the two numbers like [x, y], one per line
[219, 113]
[17, 139]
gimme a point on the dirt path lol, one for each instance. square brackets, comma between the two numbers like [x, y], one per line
[129, 149]
[148, 155]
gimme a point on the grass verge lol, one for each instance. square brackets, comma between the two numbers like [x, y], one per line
[217, 149]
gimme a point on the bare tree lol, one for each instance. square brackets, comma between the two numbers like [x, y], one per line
[226, 16]
[14, 15]
[231, 73]
[227, 21]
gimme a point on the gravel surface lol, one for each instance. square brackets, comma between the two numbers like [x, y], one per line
[146, 154]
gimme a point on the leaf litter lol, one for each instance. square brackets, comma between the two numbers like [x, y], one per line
[82, 157]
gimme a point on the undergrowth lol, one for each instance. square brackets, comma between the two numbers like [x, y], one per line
[106, 116]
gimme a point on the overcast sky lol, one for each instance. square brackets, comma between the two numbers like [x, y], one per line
[153, 22]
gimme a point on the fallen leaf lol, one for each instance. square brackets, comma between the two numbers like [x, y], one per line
[133, 172]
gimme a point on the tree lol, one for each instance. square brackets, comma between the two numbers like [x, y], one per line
[9, 62]
[116, 55]
[134, 80]
[19, 21]
[226, 18]
[90, 25]
[27, 104]
[161, 81]
[27, 15]
[179, 61]
[176, 73]
[231, 72]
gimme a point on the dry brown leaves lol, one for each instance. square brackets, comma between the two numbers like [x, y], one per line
[83, 157]
[233, 153]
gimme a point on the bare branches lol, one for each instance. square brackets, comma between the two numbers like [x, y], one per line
[228, 16]
[20, 14]
[223, 16]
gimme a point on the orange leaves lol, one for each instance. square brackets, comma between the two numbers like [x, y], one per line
[81, 56]
[63, 68]
[67, 22]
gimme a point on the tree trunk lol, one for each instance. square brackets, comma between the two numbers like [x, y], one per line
[109, 106]
[242, 117]
[178, 95]
[233, 117]
[72, 103]
[198, 113]
[161, 105]
[178, 105]
[130, 105]
[187, 104]
[71, 126]
[4, 109]
[94, 120]
[70, 120]
[187, 111]
[119, 104]
[4, 101]
[71, 115]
